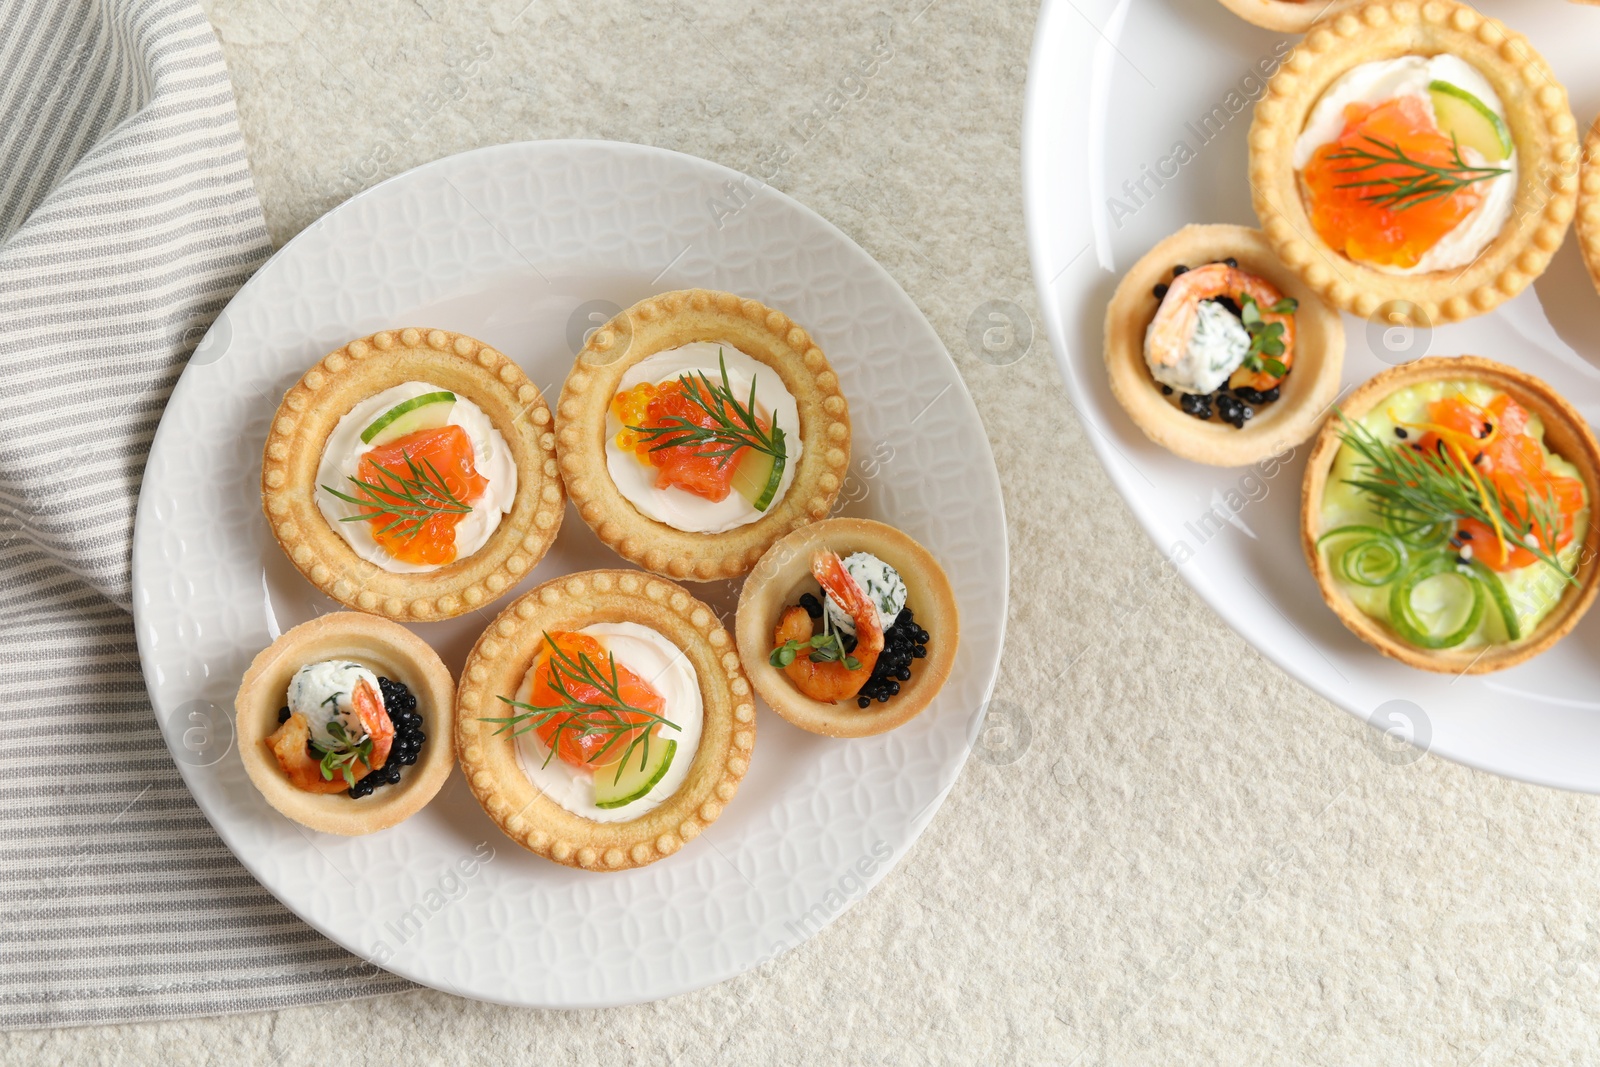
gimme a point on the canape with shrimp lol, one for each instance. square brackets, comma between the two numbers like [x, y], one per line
[848, 628]
[343, 722]
[1218, 351]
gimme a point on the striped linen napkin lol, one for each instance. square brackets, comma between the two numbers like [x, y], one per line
[127, 220]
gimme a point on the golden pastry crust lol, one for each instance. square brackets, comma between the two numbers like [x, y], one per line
[1566, 434]
[1312, 383]
[668, 321]
[1589, 203]
[391, 651]
[501, 659]
[363, 368]
[1541, 124]
[1286, 15]
[779, 579]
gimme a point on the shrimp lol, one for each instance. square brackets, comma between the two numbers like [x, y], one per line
[1167, 341]
[831, 681]
[291, 744]
[369, 706]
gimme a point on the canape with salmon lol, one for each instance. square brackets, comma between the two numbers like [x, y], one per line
[603, 719]
[412, 474]
[1414, 163]
[698, 427]
[1289, 16]
[1588, 221]
[1219, 352]
[343, 723]
[848, 627]
[1448, 514]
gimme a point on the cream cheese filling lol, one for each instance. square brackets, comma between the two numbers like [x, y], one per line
[659, 662]
[323, 692]
[679, 508]
[1389, 79]
[341, 456]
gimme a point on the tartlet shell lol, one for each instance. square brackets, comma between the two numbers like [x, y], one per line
[774, 585]
[1537, 112]
[1284, 16]
[394, 653]
[1312, 383]
[1565, 433]
[500, 660]
[341, 380]
[1588, 223]
[669, 321]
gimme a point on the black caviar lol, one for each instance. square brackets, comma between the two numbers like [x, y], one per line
[903, 642]
[1233, 406]
[408, 738]
[1196, 404]
[1257, 396]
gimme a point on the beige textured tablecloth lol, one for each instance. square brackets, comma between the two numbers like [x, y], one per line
[1190, 859]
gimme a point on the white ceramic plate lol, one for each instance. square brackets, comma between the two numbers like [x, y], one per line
[526, 247]
[1113, 86]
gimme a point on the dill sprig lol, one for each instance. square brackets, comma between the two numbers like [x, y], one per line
[1416, 492]
[408, 501]
[340, 757]
[736, 425]
[1418, 182]
[606, 717]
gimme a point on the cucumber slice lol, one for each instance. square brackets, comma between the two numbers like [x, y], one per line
[1502, 602]
[1452, 605]
[1472, 122]
[613, 790]
[426, 412]
[757, 477]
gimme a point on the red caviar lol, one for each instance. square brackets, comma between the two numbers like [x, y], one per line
[1372, 233]
[449, 450]
[680, 466]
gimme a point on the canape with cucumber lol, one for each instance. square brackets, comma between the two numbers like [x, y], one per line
[703, 438]
[1446, 517]
[600, 717]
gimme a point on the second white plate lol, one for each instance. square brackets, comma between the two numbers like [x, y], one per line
[1114, 86]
